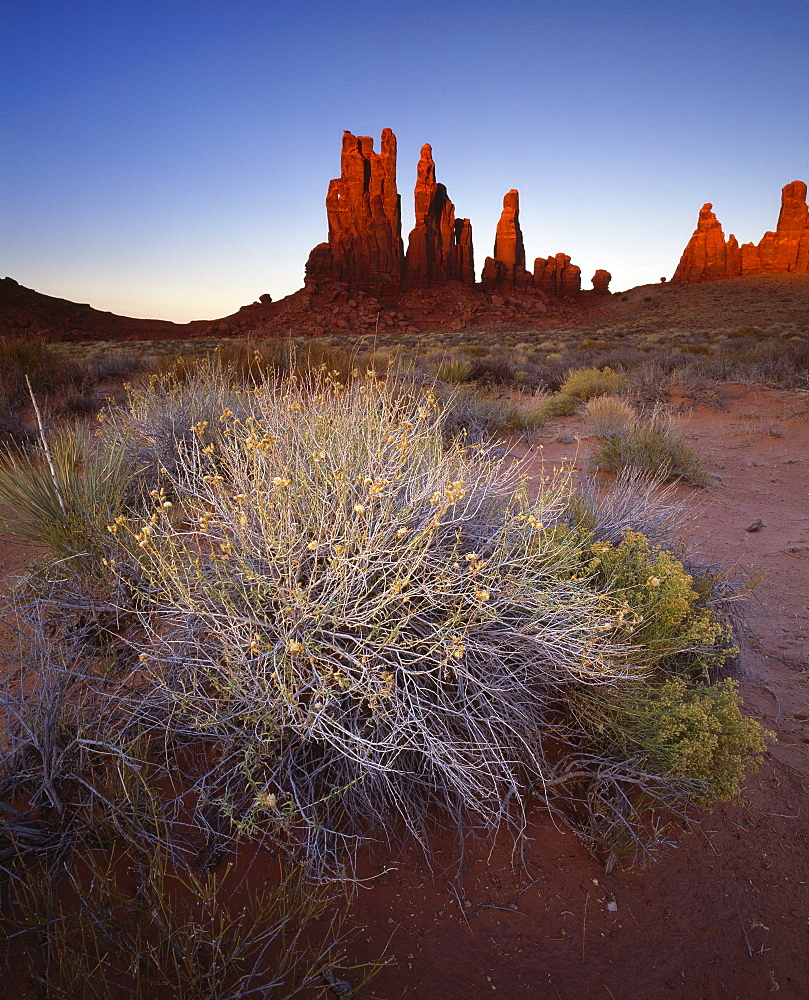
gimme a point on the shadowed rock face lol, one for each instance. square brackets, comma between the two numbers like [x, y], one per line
[709, 256]
[439, 248]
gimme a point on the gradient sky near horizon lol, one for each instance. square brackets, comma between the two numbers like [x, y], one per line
[171, 159]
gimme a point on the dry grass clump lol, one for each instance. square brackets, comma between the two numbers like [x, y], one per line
[95, 926]
[324, 619]
[62, 387]
[653, 445]
[608, 415]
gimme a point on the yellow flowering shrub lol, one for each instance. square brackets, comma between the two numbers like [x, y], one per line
[696, 733]
[657, 601]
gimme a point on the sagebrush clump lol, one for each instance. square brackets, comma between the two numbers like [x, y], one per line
[371, 626]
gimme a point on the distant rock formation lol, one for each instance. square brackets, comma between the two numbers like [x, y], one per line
[601, 282]
[507, 266]
[557, 277]
[365, 248]
[439, 248]
[709, 256]
[364, 212]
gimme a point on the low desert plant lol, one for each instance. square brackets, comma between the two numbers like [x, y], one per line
[655, 446]
[478, 415]
[453, 371]
[608, 415]
[587, 383]
[62, 387]
[109, 923]
[63, 497]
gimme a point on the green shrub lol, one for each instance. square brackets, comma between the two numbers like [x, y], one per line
[693, 733]
[586, 383]
[560, 405]
[662, 613]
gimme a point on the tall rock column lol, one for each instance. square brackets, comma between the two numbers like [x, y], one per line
[435, 253]
[787, 249]
[364, 213]
[507, 266]
[508, 242]
[464, 252]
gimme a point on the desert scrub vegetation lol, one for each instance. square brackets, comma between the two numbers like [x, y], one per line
[579, 386]
[320, 619]
[648, 443]
[96, 927]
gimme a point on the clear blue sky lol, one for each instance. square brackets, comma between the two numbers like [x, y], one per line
[171, 159]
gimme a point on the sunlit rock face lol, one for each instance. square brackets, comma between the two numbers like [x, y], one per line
[364, 213]
[507, 266]
[601, 282]
[557, 277]
[710, 256]
[365, 248]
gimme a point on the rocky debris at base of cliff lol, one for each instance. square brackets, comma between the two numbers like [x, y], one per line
[709, 256]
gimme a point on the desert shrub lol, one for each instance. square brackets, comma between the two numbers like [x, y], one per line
[369, 625]
[62, 387]
[662, 612]
[493, 370]
[607, 415]
[586, 383]
[560, 405]
[579, 386]
[478, 416]
[655, 446]
[694, 733]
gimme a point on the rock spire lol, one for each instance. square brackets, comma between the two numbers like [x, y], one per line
[440, 247]
[507, 266]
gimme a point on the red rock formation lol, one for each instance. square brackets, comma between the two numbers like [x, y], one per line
[705, 257]
[557, 277]
[464, 252]
[708, 257]
[507, 266]
[601, 282]
[364, 212]
[439, 248]
[508, 242]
